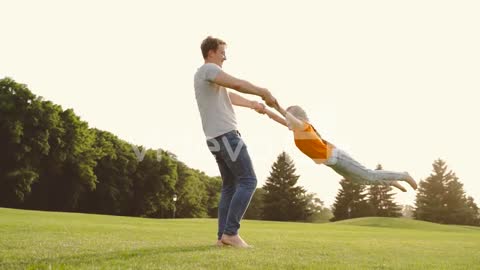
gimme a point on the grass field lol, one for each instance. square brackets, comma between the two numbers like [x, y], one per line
[49, 240]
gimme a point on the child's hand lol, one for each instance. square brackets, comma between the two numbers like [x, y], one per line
[258, 107]
[269, 98]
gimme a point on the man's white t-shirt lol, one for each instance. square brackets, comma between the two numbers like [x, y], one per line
[213, 102]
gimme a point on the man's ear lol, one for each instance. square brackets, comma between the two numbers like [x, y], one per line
[210, 51]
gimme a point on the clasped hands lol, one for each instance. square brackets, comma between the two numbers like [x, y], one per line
[269, 100]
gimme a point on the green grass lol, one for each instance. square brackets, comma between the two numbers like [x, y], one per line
[49, 240]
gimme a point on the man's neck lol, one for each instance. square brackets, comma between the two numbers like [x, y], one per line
[208, 61]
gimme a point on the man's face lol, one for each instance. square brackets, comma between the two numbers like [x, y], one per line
[219, 56]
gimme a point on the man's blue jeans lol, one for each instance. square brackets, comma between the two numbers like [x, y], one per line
[238, 180]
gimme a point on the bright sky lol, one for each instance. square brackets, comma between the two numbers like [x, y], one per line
[390, 82]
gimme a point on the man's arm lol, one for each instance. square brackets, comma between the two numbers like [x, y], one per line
[243, 102]
[243, 86]
[238, 100]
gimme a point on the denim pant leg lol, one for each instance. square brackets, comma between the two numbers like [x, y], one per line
[226, 195]
[239, 162]
[351, 169]
[237, 165]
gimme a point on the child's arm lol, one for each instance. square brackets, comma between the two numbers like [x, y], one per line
[276, 117]
[296, 124]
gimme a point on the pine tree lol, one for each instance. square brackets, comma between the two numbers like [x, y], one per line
[441, 198]
[381, 200]
[429, 201]
[283, 200]
[351, 201]
[474, 212]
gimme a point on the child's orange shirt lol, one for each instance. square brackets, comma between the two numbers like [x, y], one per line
[311, 144]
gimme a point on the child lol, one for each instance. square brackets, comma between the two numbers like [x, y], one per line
[309, 141]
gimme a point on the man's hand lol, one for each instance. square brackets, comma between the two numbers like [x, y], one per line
[258, 107]
[268, 98]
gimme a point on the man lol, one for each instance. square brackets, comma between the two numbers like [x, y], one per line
[223, 139]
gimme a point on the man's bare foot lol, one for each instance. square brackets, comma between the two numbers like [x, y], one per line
[234, 241]
[219, 243]
[411, 181]
[250, 246]
[397, 185]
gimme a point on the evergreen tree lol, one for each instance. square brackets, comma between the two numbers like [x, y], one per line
[429, 203]
[474, 213]
[283, 200]
[381, 201]
[441, 198]
[351, 201]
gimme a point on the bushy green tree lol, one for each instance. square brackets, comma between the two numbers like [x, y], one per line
[191, 191]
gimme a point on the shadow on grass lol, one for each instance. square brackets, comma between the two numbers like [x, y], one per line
[89, 258]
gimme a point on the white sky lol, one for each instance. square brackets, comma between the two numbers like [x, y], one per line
[389, 82]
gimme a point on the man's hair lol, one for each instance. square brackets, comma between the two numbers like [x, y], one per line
[210, 43]
[298, 112]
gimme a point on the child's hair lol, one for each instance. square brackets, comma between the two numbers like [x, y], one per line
[298, 112]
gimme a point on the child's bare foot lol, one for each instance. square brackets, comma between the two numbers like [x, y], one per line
[411, 181]
[397, 185]
[234, 241]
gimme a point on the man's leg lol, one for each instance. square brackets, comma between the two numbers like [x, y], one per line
[244, 173]
[228, 185]
[228, 189]
[240, 164]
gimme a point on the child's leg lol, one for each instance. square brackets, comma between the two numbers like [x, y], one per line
[382, 175]
[350, 168]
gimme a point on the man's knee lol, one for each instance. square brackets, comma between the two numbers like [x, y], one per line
[248, 183]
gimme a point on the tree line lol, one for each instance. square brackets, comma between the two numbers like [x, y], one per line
[440, 198]
[52, 160]
[283, 200]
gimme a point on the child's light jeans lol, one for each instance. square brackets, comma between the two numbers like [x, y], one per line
[349, 168]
